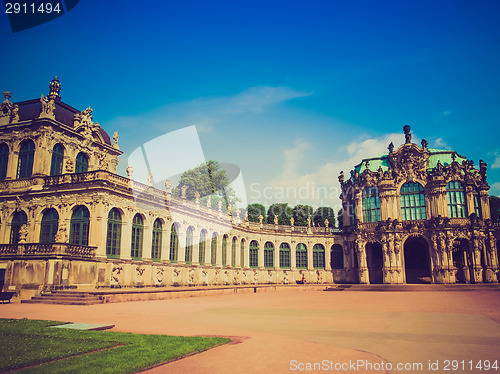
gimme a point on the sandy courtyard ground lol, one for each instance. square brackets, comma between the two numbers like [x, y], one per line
[312, 332]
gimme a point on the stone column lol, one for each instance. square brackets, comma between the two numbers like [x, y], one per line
[276, 254]
[328, 256]
[360, 249]
[293, 255]
[386, 268]
[126, 238]
[181, 256]
[165, 243]
[310, 256]
[196, 249]
[147, 241]
[12, 165]
[261, 254]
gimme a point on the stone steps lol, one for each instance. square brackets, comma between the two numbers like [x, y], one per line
[65, 298]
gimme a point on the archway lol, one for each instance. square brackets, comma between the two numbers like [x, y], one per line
[375, 262]
[417, 261]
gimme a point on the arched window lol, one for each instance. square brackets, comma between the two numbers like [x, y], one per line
[412, 201]
[137, 235]
[224, 250]
[189, 245]
[319, 256]
[49, 226]
[213, 250]
[114, 233]
[174, 244]
[455, 194]
[4, 160]
[18, 220]
[301, 256]
[371, 205]
[79, 227]
[254, 254]
[82, 163]
[337, 257]
[156, 245]
[201, 247]
[284, 256]
[56, 167]
[477, 204]
[26, 157]
[269, 255]
[242, 254]
[233, 251]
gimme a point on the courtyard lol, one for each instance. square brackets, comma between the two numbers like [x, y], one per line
[292, 331]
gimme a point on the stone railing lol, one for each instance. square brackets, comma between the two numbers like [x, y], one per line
[32, 249]
[268, 227]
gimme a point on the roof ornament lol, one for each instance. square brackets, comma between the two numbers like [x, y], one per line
[407, 129]
[55, 87]
[391, 147]
[424, 143]
[454, 156]
[6, 106]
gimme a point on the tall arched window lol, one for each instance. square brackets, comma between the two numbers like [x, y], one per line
[82, 163]
[18, 220]
[79, 227]
[337, 257]
[202, 246]
[4, 160]
[114, 233]
[56, 166]
[49, 226]
[371, 205]
[174, 244]
[137, 235]
[233, 251]
[301, 256]
[269, 255]
[26, 157]
[412, 202]
[455, 194]
[189, 245]
[156, 245]
[213, 250]
[318, 256]
[284, 256]
[254, 254]
[242, 254]
[224, 250]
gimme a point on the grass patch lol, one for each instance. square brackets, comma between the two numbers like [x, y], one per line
[24, 343]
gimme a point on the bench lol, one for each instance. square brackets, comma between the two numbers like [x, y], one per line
[6, 296]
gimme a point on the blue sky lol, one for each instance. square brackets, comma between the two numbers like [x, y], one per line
[290, 91]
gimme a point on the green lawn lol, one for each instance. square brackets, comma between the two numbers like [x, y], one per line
[31, 343]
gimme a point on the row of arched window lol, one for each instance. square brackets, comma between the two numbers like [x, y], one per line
[79, 235]
[27, 156]
[413, 202]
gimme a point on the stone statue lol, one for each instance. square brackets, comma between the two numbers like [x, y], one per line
[48, 108]
[183, 191]
[308, 222]
[326, 222]
[150, 182]
[130, 171]
[54, 87]
[197, 197]
[260, 219]
[168, 185]
[103, 162]
[424, 143]
[219, 205]
[61, 236]
[23, 234]
[292, 221]
[390, 147]
[6, 106]
[14, 117]
[115, 140]
[70, 166]
[341, 177]
[275, 219]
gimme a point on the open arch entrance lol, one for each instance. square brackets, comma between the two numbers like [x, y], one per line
[375, 262]
[417, 261]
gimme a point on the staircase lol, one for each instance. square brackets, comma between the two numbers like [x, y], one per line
[65, 298]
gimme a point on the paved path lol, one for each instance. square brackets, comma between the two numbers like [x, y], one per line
[277, 332]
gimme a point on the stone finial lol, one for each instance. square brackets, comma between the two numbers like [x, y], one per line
[424, 143]
[327, 222]
[308, 222]
[454, 156]
[407, 129]
[168, 185]
[391, 147]
[130, 171]
[55, 87]
[7, 95]
[183, 191]
[292, 221]
[238, 213]
[260, 219]
[150, 179]
[219, 205]
[275, 219]
[197, 197]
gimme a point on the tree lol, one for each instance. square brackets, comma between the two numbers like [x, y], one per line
[207, 179]
[301, 213]
[324, 213]
[495, 208]
[282, 210]
[254, 211]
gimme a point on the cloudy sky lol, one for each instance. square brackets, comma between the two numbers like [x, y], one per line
[292, 92]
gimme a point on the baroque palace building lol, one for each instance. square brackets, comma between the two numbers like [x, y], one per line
[67, 220]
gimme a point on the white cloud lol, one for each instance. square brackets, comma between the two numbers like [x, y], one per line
[496, 163]
[495, 189]
[439, 143]
[321, 186]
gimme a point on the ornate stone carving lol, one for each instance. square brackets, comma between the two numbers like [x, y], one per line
[48, 108]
